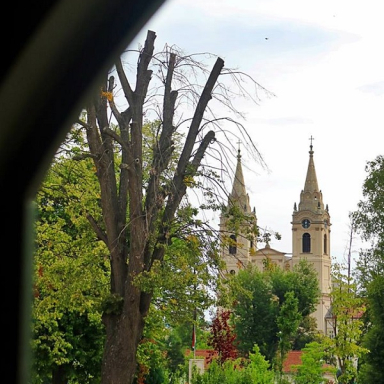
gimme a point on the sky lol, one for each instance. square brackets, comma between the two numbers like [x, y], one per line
[324, 63]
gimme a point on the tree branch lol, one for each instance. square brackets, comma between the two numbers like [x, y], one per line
[83, 124]
[128, 93]
[115, 136]
[198, 116]
[99, 232]
[83, 156]
[179, 188]
[163, 150]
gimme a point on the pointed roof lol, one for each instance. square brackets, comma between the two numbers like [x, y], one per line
[239, 193]
[311, 179]
[311, 197]
[238, 188]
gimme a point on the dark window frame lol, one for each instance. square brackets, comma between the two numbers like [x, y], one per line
[232, 248]
[325, 244]
[306, 243]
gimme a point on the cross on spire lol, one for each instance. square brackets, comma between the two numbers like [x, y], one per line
[238, 150]
[311, 138]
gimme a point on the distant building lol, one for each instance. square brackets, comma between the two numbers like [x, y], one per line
[311, 236]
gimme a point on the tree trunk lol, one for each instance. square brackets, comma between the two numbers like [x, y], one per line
[123, 336]
[59, 375]
[135, 220]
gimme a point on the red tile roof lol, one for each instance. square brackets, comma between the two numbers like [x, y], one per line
[293, 358]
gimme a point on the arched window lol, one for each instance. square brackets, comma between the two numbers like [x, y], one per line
[325, 244]
[232, 246]
[306, 243]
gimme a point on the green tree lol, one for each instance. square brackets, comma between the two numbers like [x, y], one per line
[306, 333]
[313, 367]
[258, 297]
[287, 323]
[347, 308]
[70, 280]
[302, 281]
[255, 312]
[175, 355]
[255, 370]
[141, 216]
[368, 221]
[371, 364]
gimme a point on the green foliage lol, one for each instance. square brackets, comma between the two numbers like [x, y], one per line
[71, 344]
[255, 312]
[347, 310]
[150, 354]
[302, 281]
[306, 333]
[258, 297]
[176, 282]
[175, 354]
[312, 369]
[162, 351]
[287, 322]
[239, 222]
[175, 286]
[112, 304]
[71, 277]
[255, 370]
[371, 364]
[151, 131]
[368, 221]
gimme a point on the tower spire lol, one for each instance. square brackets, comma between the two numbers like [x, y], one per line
[311, 179]
[311, 197]
[239, 194]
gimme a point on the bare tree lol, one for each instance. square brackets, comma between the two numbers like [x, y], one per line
[138, 212]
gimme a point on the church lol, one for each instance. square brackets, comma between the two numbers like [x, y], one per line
[311, 230]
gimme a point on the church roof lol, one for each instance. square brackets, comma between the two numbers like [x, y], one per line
[267, 250]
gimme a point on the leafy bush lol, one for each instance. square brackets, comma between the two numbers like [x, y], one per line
[255, 370]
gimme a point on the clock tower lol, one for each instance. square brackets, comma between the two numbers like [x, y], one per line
[311, 237]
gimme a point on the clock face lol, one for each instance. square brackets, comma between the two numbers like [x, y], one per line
[305, 223]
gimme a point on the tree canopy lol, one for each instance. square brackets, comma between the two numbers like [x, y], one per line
[260, 299]
[368, 221]
[71, 277]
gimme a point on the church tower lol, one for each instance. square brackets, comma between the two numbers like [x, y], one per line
[237, 246]
[311, 237]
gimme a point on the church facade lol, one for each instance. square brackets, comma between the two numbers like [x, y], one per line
[311, 236]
